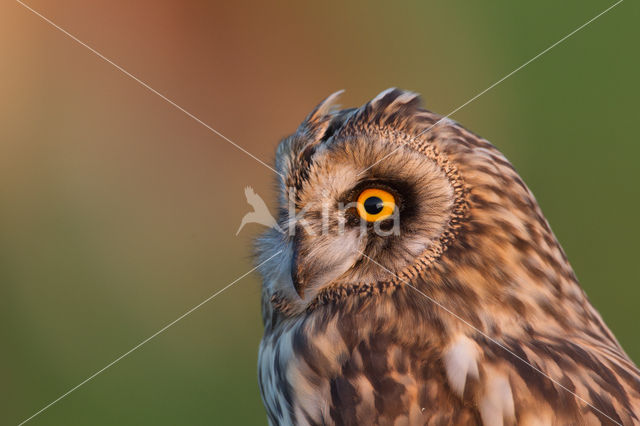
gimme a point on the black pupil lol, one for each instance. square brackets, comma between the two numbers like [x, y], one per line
[373, 205]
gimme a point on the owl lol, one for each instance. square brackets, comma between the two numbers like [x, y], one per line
[413, 280]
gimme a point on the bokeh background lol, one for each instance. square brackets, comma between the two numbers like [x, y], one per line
[118, 212]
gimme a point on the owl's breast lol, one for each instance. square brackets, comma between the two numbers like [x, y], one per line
[312, 373]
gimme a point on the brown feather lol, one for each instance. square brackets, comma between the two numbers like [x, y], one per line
[472, 315]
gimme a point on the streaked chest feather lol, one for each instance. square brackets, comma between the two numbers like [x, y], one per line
[369, 377]
[356, 369]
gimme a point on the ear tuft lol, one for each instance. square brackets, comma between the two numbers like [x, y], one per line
[393, 100]
[319, 118]
[392, 108]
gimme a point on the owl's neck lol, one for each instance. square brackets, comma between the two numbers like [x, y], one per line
[440, 305]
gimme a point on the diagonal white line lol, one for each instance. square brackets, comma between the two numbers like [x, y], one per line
[477, 330]
[146, 340]
[145, 85]
[498, 82]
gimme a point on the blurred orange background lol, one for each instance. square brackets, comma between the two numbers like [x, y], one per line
[118, 211]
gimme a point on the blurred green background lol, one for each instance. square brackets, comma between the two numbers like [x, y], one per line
[118, 212]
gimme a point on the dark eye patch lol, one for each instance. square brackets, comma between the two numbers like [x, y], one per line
[403, 192]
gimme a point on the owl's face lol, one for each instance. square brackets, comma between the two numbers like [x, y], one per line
[356, 206]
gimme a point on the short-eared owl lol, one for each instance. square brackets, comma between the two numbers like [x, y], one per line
[415, 281]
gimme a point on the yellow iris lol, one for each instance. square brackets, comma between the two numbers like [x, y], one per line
[375, 204]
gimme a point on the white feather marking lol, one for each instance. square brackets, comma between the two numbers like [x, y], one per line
[496, 404]
[461, 361]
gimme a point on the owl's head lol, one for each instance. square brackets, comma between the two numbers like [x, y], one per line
[374, 195]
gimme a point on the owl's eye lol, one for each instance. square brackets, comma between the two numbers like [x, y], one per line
[375, 204]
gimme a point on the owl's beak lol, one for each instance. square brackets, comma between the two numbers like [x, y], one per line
[315, 263]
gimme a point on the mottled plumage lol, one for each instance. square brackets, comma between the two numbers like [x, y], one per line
[471, 314]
